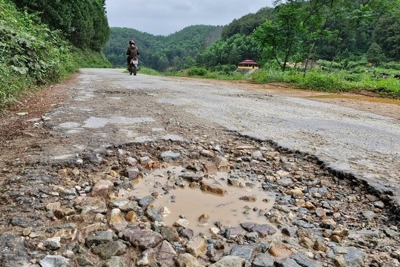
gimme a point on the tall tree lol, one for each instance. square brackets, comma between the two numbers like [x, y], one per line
[83, 22]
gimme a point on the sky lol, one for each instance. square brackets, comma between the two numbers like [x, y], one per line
[160, 17]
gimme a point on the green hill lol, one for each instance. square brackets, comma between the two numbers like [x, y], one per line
[162, 53]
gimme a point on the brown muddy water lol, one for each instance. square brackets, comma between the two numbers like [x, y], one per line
[191, 203]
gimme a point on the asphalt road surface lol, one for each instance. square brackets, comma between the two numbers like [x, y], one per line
[111, 107]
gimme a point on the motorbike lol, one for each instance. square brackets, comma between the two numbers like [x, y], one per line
[133, 66]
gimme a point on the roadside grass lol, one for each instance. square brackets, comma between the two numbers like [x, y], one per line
[379, 81]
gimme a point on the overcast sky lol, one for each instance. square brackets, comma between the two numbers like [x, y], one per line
[166, 17]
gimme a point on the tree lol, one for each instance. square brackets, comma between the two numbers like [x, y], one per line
[387, 35]
[375, 54]
[84, 23]
[282, 36]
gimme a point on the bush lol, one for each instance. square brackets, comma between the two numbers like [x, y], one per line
[32, 55]
[195, 71]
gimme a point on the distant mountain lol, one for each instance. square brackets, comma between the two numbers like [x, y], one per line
[174, 51]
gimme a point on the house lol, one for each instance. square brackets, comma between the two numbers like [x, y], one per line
[248, 64]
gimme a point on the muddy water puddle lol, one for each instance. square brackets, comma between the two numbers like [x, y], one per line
[237, 205]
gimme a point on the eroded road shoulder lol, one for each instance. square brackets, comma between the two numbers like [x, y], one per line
[140, 171]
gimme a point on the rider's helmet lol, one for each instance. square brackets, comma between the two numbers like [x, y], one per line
[131, 42]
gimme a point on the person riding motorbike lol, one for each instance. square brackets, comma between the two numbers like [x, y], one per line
[132, 52]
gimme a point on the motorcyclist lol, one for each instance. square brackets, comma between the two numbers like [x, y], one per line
[132, 51]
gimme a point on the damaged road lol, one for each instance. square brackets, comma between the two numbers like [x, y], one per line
[107, 177]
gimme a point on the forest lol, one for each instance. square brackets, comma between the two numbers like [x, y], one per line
[322, 44]
[176, 51]
[45, 41]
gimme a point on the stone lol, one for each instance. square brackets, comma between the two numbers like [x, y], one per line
[13, 251]
[252, 237]
[210, 168]
[213, 189]
[187, 260]
[132, 173]
[280, 250]
[287, 262]
[165, 254]
[82, 261]
[379, 205]
[319, 245]
[131, 216]
[106, 251]
[264, 230]
[102, 188]
[207, 153]
[186, 233]
[229, 261]
[248, 198]
[303, 260]
[115, 262]
[146, 201]
[369, 214]
[192, 176]
[297, 192]
[55, 261]
[154, 214]
[116, 219]
[204, 218]
[53, 243]
[351, 256]
[142, 238]
[197, 246]
[169, 233]
[289, 231]
[243, 251]
[101, 237]
[53, 206]
[263, 260]
[91, 205]
[221, 163]
[170, 155]
[131, 161]
[234, 232]
[182, 223]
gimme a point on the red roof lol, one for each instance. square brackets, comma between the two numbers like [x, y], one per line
[248, 62]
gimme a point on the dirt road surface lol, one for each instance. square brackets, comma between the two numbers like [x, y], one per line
[57, 131]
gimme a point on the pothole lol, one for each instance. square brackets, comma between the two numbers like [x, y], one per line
[229, 197]
[177, 198]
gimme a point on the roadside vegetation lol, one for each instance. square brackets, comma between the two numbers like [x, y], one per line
[34, 54]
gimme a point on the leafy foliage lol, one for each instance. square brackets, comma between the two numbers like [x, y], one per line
[83, 23]
[248, 23]
[32, 55]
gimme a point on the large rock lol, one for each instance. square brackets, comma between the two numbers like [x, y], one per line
[187, 260]
[229, 261]
[213, 189]
[108, 250]
[197, 246]
[243, 251]
[102, 188]
[55, 261]
[163, 255]
[350, 257]
[263, 260]
[101, 237]
[142, 238]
